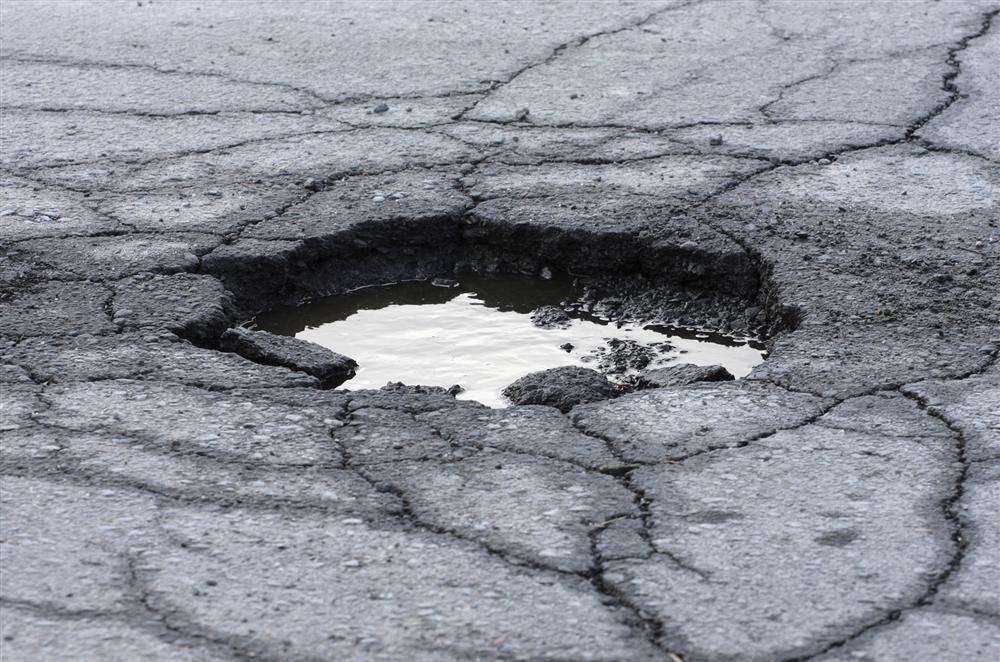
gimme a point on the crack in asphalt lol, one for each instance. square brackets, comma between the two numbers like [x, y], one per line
[409, 515]
[136, 164]
[833, 67]
[647, 626]
[94, 64]
[650, 627]
[949, 505]
[951, 513]
[175, 622]
[83, 110]
[576, 42]
[948, 83]
[178, 623]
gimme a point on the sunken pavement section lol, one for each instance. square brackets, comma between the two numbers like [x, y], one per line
[168, 168]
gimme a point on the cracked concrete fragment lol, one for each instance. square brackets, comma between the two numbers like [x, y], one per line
[848, 523]
[192, 306]
[64, 545]
[532, 508]
[667, 423]
[926, 633]
[225, 426]
[37, 635]
[331, 368]
[55, 308]
[303, 585]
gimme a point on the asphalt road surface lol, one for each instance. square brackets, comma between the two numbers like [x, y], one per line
[171, 168]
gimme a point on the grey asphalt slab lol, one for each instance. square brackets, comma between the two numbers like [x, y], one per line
[827, 172]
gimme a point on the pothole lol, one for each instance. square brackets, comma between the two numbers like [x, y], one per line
[479, 332]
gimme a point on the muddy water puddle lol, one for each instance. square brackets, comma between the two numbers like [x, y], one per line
[480, 334]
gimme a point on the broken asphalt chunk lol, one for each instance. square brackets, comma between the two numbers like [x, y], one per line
[329, 367]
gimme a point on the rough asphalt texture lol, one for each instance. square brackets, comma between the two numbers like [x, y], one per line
[170, 168]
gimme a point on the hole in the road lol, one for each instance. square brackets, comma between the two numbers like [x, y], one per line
[480, 332]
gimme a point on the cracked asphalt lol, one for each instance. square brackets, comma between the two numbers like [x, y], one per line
[171, 168]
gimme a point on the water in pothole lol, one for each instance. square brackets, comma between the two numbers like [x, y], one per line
[480, 335]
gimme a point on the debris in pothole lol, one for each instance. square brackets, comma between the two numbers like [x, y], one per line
[329, 367]
[485, 332]
[620, 357]
[621, 298]
[420, 389]
[562, 388]
[550, 317]
[680, 375]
